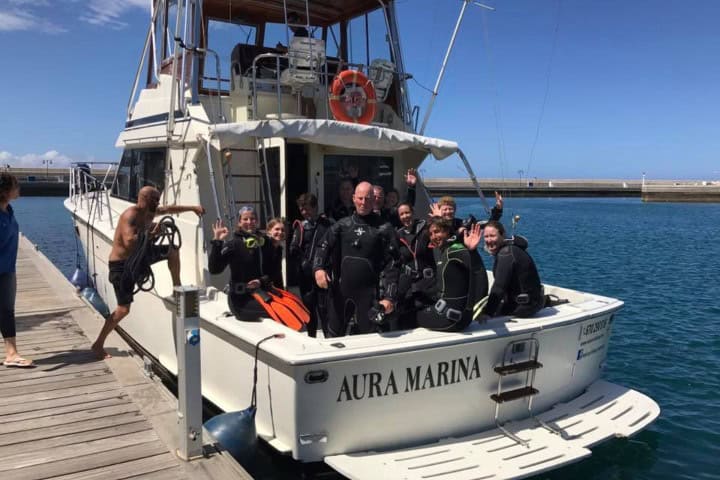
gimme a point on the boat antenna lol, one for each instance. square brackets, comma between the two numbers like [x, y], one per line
[445, 60]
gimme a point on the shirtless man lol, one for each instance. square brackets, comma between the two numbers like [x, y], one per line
[133, 221]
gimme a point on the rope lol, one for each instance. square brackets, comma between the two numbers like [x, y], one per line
[496, 102]
[547, 87]
[253, 398]
[138, 266]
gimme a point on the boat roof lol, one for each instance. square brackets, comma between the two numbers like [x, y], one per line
[333, 133]
[322, 12]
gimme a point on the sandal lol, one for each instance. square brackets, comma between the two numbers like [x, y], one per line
[19, 362]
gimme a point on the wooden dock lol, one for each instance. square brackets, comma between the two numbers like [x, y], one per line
[76, 417]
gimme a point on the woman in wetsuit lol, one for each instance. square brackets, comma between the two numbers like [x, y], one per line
[461, 279]
[252, 259]
[516, 290]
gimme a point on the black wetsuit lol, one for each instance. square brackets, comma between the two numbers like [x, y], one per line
[365, 270]
[461, 280]
[339, 211]
[248, 260]
[307, 236]
[516, 290]
[417, 272]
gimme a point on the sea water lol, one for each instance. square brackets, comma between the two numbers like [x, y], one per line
[661, 259]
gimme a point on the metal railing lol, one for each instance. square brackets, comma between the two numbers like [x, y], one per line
[89, 192]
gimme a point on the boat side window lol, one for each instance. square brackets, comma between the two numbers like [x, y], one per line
[138, 168]
[226, 38]
[376, 170]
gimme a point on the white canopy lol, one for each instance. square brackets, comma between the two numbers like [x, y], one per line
[333, 133]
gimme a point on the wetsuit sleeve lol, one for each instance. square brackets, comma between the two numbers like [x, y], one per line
[295, 249]
[410, 195]
[391, 270]
[496, 213]
[503, 275]
[220, 254]
[274, 262]
[326, 247]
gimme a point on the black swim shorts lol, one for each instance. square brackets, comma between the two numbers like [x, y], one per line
[123, 285]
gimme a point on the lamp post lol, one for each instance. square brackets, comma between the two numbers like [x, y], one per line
[47, 164]
[520, 172]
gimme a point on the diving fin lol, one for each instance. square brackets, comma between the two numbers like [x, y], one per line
[264, 300]
[277, 309]
[292, 302]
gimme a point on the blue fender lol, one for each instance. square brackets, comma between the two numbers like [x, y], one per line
[236, 432]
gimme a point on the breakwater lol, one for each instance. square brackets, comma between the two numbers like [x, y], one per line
[650, 191]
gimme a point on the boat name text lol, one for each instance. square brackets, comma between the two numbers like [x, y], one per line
[358, 386]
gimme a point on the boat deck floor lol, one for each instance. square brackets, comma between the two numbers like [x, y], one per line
[76, 417]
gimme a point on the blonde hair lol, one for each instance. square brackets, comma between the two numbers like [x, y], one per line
[447, 200]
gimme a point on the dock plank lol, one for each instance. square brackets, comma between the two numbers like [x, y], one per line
[79, 464]
[74, 417]
[156, 467]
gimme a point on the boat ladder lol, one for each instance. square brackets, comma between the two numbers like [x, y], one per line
[519, 356]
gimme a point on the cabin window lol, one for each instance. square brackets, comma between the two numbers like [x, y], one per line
[138, 168]
[376, 170]
[223, 36]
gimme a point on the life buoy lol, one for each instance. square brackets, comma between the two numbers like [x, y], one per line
[352, 92]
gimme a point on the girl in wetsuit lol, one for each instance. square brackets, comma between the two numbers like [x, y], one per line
[276, 231]
[251, 257]
[461, 279]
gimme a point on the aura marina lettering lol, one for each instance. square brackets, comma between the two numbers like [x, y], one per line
[359, 386]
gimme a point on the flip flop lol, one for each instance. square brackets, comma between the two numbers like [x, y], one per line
[19, 363]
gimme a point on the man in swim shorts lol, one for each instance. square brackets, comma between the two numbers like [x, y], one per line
[133, 222]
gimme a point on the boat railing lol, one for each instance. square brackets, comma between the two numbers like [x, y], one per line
[91, 192]
[315, 72]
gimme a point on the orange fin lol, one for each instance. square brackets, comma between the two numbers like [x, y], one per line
[270, 311]
[292, 302]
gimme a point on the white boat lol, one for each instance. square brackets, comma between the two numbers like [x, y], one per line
[507, 399]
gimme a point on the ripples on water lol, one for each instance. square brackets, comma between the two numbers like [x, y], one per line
[661, 259]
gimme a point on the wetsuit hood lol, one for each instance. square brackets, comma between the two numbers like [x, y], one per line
[517, 240]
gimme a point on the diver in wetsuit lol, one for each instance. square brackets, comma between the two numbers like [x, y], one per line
[417, 266]
[461, 279]
[446, 208]
[365, 273]
[307, 236]
[516, 289]
[388, 211]
[252, 259]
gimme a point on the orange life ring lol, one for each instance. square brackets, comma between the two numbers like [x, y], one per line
[351, 91]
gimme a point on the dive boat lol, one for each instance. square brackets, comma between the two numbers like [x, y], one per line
[222, 116]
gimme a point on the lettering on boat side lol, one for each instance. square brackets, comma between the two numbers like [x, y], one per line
[359, 386]
[595, 327]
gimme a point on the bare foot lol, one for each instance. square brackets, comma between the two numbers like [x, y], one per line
[100, 352]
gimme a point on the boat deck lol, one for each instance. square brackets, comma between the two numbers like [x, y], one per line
[75, 417]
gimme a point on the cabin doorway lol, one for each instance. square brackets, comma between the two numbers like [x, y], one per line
[296, 183]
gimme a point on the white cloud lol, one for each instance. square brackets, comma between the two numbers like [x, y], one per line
[35, 159]
[109, 12]
[36, 15]
[16, 19]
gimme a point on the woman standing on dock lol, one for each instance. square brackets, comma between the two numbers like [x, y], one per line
[9, 237]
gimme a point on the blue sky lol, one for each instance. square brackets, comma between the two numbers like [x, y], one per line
[557, 89]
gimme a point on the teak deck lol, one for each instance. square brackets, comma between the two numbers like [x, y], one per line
[75, 417]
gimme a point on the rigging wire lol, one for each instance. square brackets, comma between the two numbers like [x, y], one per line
[547, 87]
[502, 153]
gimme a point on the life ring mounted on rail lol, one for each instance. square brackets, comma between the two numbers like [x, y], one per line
[352, 97]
